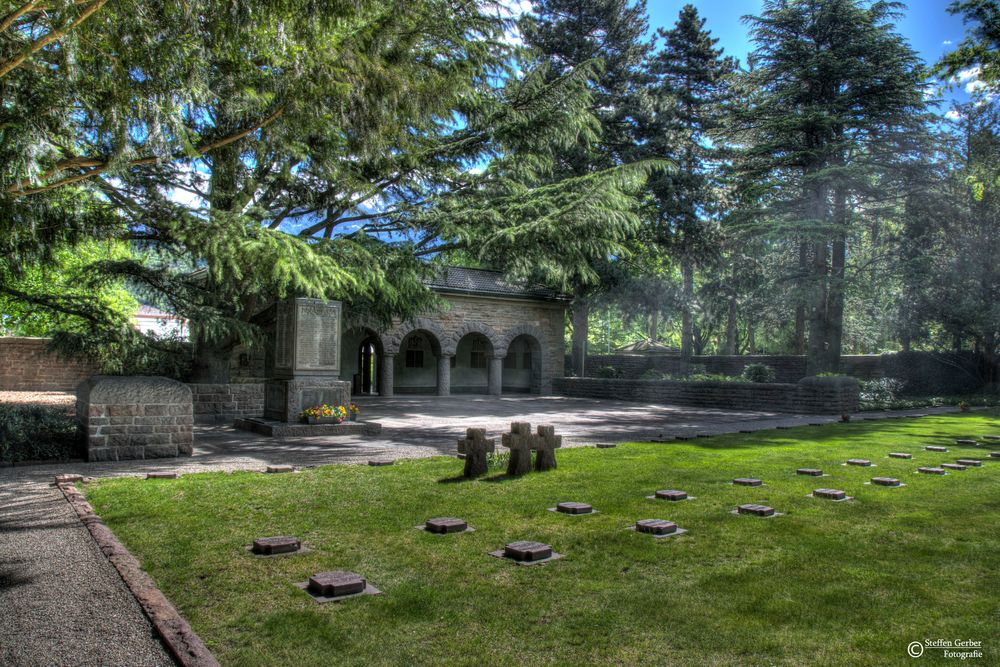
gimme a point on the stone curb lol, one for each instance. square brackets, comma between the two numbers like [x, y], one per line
[175, 632]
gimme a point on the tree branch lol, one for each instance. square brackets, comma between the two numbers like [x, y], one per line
[99, 166]
[53, 36]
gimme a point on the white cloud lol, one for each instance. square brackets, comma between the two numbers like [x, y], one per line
[513, 9]
[953, 115]
[968, 74]
[947, 42]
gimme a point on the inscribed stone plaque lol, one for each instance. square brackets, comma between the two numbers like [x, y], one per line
[284, 335]
[317, 336]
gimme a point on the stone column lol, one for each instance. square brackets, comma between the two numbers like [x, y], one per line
[495, 381]
[444, 375]
[388, 373]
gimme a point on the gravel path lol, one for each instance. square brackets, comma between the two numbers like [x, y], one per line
[62, 602]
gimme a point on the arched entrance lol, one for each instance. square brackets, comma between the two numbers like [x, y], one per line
[470, 367]
[417, 366]
[522, 367]
[361, 360]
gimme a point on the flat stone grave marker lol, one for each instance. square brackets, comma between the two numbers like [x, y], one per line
[953, 466]
[519, 441]
[966, 441]
[573, 508]
[606, 445]
[755, 510]
[380, 462]
[991, 437]
[975, 463]
[545, 443]
[748, 481]
[278, 469]
[337, 585]
[900, 455]
[68, 478]
[271, 546]
[995, 455]
[886, 481]
[931, 470]
[812, 472]
[830, 494]
[656, 527]
[445, 525]
[161, 475]
[935, 448]
[865, 463]
[671, 494]
[526, 552]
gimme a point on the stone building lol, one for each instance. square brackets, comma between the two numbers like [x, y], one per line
[492, 337]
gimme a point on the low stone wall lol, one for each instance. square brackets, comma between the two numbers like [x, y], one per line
[135, 417]
[225, 403]
[813, 395]
[26, 365]
[922, 373]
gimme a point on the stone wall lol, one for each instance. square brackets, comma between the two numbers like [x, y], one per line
[922, 373]
[808, 396]
[135, 417]
[224, 403]
[25, 365]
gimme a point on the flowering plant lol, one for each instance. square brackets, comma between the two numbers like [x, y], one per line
[353, 407]
[320, 411]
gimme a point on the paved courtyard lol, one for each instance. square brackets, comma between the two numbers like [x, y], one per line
[65, 604]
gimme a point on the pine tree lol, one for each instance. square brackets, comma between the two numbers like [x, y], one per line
[836, 95]
[688, 91]
[568, 35]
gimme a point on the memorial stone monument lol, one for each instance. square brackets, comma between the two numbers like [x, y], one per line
[305, 370]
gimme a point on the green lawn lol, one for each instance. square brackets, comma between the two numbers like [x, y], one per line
[828, 583]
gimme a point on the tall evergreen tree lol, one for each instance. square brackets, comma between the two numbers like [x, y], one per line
[688, 92]
[835, 96]
[568, 35]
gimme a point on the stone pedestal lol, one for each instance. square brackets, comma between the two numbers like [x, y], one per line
[495, 381]
[444, 375]
[306, 367]
[385, 387]
[285, 399]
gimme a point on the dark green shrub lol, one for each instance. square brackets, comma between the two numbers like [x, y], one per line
[607, 372]
[37, 433]
[758, 373]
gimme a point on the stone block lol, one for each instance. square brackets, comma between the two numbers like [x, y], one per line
[830, 494]
[269, 546]
[928, 470]
[886, 481]
[656, 526]
[864, 463]
[68, 478]
[336, 584]
[161, 475]
[748, 481]
[900, 455]
[974, 463]
[812, 472]
[967, 442]
[953, 466]
[279, 469]
[574, 508]
[445, 525]
[936, 448]
[671, 494]
[755, 510]
[527, 551]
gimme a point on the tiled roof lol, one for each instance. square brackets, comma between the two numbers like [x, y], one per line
[490, 283]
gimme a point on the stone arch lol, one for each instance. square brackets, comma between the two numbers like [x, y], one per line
[520, 330]
[392, 340]
[451, 346]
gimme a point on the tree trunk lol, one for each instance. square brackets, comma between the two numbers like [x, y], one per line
[687, 296]
[799, 344]
[835, 302]
[581, 321]
[731, 327]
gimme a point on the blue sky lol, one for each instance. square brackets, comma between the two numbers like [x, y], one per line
[931, 30]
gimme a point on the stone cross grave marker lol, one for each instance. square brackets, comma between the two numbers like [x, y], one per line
[545, 445]
[476, 446]
[519, 441]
